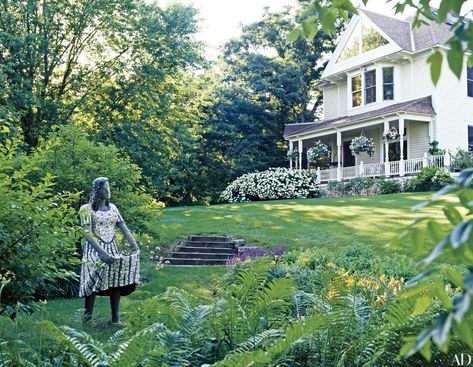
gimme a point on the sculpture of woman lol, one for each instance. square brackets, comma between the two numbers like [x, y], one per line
[105, 272]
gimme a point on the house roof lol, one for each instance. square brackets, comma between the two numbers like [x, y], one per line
[399, 30]
[419, 105]
[425, 36]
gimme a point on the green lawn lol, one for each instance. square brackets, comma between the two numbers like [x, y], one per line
[322, 223]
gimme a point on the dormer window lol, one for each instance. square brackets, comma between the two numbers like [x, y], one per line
[388, 83]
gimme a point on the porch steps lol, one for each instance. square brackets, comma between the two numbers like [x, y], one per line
[203, 250]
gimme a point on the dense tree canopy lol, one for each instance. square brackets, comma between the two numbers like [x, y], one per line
[265, 83]
[131, 74]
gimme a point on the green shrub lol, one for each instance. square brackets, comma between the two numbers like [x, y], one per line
[76, 160]
[389, 186]
[462, 159]
[359, 186]
[37, 227]
[430, 179]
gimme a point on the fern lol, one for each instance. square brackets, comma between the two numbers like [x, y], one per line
[256, 340]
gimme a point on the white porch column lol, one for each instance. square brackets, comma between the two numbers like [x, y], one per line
[401, 142]
[425, 160]
[339, 155]
[291, 149]
[386, 150]
[318, 179]
[300, 154]
[432, 132]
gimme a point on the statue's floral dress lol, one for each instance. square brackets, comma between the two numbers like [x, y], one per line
[96, 276]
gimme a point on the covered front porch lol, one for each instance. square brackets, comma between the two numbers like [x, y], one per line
[407, 154]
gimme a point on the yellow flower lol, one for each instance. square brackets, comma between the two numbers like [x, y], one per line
[247, 261]
[382, 277]
[363, 282]
[376, 286]
[342, 272]
[394, 283]
[350, 282]
[331, 264]
[381, 299]
[273, 262]
[305, 260]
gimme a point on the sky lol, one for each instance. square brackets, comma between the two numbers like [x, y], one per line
[221, 19]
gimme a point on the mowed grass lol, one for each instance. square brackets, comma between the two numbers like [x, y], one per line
[68, 312]
[324, 223]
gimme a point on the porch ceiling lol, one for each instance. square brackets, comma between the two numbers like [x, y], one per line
[418, 106]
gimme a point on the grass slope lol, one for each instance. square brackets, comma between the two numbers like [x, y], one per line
[323, 223]
[301, 223]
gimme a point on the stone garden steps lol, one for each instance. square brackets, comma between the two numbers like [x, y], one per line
[222, 250]
[203, 250]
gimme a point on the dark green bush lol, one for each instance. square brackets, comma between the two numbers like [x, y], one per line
[430, 179]
[462, 159]
[37, 227]
[76, 160]
[358, 186]
[389, 186]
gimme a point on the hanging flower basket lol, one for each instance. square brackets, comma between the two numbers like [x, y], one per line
[392, 134]
[293, 154]
[362, 144]
[319, 154]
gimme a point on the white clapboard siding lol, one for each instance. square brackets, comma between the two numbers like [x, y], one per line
[330, 101]
[417, 138]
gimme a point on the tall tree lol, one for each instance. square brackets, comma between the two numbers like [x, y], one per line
[153, 112]
[265, 83]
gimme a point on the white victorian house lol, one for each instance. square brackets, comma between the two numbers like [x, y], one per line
[378, 78]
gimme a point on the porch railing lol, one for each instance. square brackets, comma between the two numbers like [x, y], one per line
[373, 170]
[395, 168]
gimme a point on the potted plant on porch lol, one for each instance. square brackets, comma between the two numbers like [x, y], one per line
[293, 154]
[362, 144]
[391, 134]
[319, 155]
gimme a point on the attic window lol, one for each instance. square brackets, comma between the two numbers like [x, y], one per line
[364, 38]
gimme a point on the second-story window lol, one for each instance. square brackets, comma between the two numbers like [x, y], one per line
[388, 83]
[370, 86]
[469, 80]
[356, 91]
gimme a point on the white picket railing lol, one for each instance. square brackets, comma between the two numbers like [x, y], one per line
[349, 172]
[328, 174]
[373, 170]
[413, 165]
[395, 168]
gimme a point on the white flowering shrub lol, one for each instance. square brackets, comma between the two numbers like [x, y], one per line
[272, 184]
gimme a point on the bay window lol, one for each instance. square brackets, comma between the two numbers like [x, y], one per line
[356, 91]
[374, 83]
[370, 86]
[388, 83]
